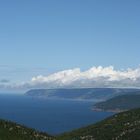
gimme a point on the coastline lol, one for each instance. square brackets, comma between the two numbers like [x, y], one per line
[108, 110]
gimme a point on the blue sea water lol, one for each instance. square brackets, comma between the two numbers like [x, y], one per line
[53, 116]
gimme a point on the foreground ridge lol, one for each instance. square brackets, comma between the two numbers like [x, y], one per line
[14, 131]
[122, 126]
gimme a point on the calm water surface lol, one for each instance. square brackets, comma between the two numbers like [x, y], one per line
[51, 115]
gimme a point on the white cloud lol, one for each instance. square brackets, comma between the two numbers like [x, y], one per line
[94, 77]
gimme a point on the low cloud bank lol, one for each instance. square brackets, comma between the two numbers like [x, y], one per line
[94, 77]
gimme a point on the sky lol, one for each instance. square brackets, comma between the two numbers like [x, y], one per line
[43, 37]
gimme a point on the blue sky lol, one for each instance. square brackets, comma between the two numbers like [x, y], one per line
[45, 36]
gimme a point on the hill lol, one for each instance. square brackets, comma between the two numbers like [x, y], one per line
[13, 131]
[99, 94]
[122, 126]
[120, 103]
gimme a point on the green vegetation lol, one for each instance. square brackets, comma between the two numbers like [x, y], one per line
[119, 103]
[13, 131]
[122, 126]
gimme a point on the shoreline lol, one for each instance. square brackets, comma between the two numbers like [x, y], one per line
[108, 110]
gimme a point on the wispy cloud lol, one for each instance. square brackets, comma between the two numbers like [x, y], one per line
[4, 81]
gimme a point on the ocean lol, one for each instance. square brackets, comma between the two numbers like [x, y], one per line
[53, 116]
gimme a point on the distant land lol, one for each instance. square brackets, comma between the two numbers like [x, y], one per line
[122, 126]
[120, 103]
[96, 94]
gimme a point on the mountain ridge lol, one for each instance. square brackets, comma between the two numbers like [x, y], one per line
[119, 103]
[121, 126]
[80, 93]
[13, 131]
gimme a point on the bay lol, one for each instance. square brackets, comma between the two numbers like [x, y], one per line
[53, 116]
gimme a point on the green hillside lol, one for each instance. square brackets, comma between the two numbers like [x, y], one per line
[122, 126]
[119, 103]
[13, 131]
